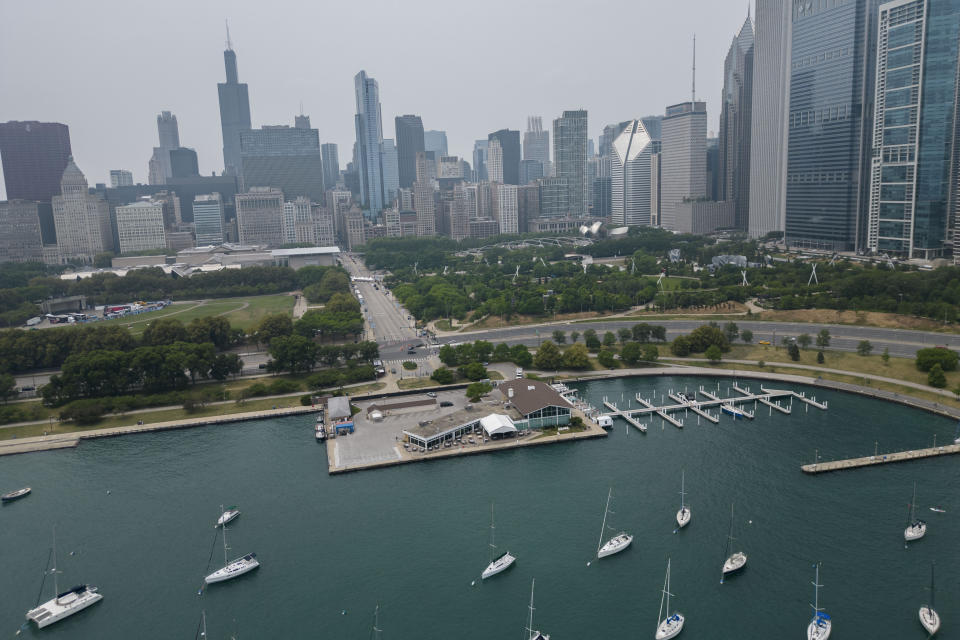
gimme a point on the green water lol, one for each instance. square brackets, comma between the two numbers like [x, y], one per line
[414, 537]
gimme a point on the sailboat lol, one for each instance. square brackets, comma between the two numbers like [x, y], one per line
[497, 563]
[929, 617]
[64, 604]
[736, 561]
[916, 528]
[821, 624]
[617, 543]
[683, 515]
[375, 633]
[234, 568]
[673, 623]
[531, 633]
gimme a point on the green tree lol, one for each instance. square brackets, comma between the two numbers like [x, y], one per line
[624, 334]
[591, 340]
[747, 336]
[574, 335]
[473, 371]
[477, 390]
[927, 358]
[714, 354]
[103, 260]
[501, 353]
[8, 387]
[520, 355]
[731, 330]
[680, 346]
[272, 326]
[936, 377]
[448, 355]
[609, 339]
[548, 357]
[606, 359]
[409, 366]
[823, 338]
[164, 331]
[650, 353]
[864, 348]
[794, 351]
[885, 356]
[559, 337]
[820, 358]
[804, 340]
[641, 332]
[293, 353]
[576, 357]
[704, 336]
[443, 376]
[631, 353]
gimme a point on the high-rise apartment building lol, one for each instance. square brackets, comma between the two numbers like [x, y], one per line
[298, 222]
[283, 157]
[510, 155]
[369, 129]
[480, 151]
[435, 141]
[331, 165]
[260, 216]
[530, 171]
[234, 112]
[495, 161]
[570, 158]
[630, 177]
[735, 114]
[914, 170]
[208, 219]
[391, 174]
[460, 213]
[828, 151]
[683, 157]
[82, 219]
[326, 230]
[410, 142]
[140, 227]
[536, 145]
[554, 198]
[424, 203]
[34, 156]
[120, 178]
[20, 239]
[768, 117]
[505, 207]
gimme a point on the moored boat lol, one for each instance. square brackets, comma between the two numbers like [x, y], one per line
[65, 604]
[234, 568]
[228, 516]
[617, 543]
[497, 563]
[15, 495]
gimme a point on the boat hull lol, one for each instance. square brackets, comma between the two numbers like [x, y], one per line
[819, 630]
[227, 517]
[671, 627]
[615, 545]
[499, 565]
[930, 620]
[64, 605]
[915, 531]
[234, 569]
[683, 517]
[15, 495]
[735, 563]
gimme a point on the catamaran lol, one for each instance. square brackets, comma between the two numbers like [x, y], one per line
[64, 604]
[497, 563]
[228, 516]
[736, 561]
[233, 569]
[929, 617]
[683, 515]
[820, 625]
[533, 634]
[617, 543]
[673, 623]
[916, 528]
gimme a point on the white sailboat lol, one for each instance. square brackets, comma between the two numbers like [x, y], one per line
[916, 528]
[929, 617]
[531, 633]
[672, 625]
[497, 563]
[235, 568]
[734, 561]
[375, 633]
[683, 515]
[64, 604]
[617, 543]
[821, 624]
[228, 516]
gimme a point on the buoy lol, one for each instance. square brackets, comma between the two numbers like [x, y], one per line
[108, 491]
[344, 612]
[473, 582]
[588, 564]
[750, 521]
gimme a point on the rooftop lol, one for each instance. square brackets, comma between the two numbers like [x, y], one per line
[531, 395]
[306, 251]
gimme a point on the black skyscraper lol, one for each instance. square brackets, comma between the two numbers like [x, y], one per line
[510, 144]
[183, 163]
[409, 142]
[234, 111]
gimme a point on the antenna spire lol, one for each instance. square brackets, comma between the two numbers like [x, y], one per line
[229, 44]
[693, 86]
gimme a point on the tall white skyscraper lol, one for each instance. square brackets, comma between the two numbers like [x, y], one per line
[683, 157]
[536, 143]
[369, 129]
[494, 161]
[140, 227]
[630, 177]
[505, 207]
[169, 135]
[82, 220]
[391, 170]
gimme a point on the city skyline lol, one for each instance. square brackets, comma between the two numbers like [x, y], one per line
[108, 138]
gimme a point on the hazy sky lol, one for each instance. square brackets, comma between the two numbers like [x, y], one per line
[106, 68]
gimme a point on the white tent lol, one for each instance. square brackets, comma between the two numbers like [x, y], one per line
[497, 424]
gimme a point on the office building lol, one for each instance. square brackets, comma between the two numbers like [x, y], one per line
[82, 219]
[536, 145]
[701, 217]
[20, 239]
[480, 149]
[570, 158]
[356, 236]
[326, 229]
[601, 205]
[510, 155]
[298, 222]
[391, 175]
[234, 112]
[208, 219]
[183, 163]
[259, 216]
[714, 170]
[530, 171]
[410, 142]
[528, 205]
[140, 227]
[735, 113]
[285, 158]
[369, 130]
[505, 208]
[168, 134]
[630, 177]
[483, 228]
[460, 213]
[435, 141]
[495, 161]
[120, 178]
[683, 157]
[554, 198]
[610, 133]
[913, 169]
[424, 203]
[331, 165]
[828, 150]
[768, 117]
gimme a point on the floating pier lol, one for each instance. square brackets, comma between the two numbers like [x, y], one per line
[869, 461]
[695, 407]
[614, 411]
[662, 412]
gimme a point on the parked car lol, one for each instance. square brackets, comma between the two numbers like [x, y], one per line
[431, 394]
[446, 403]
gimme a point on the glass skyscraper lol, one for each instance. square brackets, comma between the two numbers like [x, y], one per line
[369, 128]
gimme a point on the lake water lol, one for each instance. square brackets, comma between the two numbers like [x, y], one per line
[414, 537]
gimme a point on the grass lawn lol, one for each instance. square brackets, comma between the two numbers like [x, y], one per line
[243, 313]
[416, 383]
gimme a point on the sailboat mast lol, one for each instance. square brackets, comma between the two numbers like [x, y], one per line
[668, 587]
[56, 586]
[493, 531]
[932, 597]
[682, 492]
[913, 504]
[816, 591]
[533, 582]
[603, 527]
[224, 527]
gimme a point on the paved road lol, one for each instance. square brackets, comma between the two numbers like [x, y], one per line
[386, 321]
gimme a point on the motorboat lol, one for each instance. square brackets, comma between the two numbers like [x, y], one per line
[65, 604]
[15, 495]
[672, 625]
[731, 410]
[321, 432]
[617, 543]
[228, 516]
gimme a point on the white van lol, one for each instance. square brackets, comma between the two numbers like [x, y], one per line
[519, 373]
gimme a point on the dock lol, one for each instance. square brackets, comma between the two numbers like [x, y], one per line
[662, 412]
[869, 461]
[695, 407]
[614, 411]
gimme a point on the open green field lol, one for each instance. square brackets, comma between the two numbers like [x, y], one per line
[243, 313]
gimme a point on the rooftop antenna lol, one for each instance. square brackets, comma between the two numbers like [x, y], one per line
[693, 86]
[229, 44]
[301, 107]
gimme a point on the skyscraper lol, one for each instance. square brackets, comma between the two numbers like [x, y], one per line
[536, 144]
[768, 117]
[510, 149]
[183, 163]
[331, 165]
[410, 140]
[168, 134]
[828, 150]
[20, 239]
[435, 141]
[480, 148]
[34, 156]
[505, 208]
[683, 157]
[260, 216]
[570, 158]
[140, 227]
[630, 174]
[735, 113]
[234, 111]
[120, 178]
[369, 129]
[286, 158]
[208, 219]
[914, 125]
[391, 173]
[495, 161]
[81, 218]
